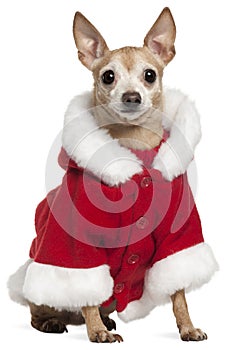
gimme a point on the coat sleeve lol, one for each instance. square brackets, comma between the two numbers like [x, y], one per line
[182, 259]
[66, 271]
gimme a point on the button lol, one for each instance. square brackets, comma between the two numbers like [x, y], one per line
[142, 223]
[146, 181]
[119, 288]
[133, 259]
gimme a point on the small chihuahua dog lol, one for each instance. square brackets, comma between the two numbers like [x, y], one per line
[129, 105]
[128, 97]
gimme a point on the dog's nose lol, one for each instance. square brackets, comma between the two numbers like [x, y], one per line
[131, 98]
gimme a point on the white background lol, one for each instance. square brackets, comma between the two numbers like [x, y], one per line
[40, 73]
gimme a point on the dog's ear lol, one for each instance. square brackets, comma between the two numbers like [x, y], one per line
[88, 40]
[161, 37]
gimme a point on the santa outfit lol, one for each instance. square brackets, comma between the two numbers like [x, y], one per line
[114, 230]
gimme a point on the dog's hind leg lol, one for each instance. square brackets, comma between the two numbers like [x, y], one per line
[48, 320]
[187, 330]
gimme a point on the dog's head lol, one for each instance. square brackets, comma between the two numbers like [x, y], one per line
[127, 81]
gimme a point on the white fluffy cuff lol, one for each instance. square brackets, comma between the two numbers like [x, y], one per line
[66, 288]
[188, 269]
[16, 283]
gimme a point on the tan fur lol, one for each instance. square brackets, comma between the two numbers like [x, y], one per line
[183, 320]
[145, 136]
[96, 330]
[136, 137]
[129, 56]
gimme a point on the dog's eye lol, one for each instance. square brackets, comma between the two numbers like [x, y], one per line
[150, 76]
[108, 77]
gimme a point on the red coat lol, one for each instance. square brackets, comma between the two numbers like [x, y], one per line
[84, 223]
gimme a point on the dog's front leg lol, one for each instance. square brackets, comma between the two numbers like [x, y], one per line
[187, 330]
[96, 330]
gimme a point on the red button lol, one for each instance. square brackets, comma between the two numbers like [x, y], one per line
[133, 259]
[146, 181]
[142, 223]
[119, 288]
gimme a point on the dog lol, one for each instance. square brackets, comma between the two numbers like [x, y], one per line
[130, 111]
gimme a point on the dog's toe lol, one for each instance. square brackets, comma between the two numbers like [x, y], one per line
[108, 323]
[52, 326]
[105, 337]
[192, 334]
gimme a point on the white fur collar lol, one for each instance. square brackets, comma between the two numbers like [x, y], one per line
[94, 149]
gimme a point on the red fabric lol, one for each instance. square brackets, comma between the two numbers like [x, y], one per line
[84, 223]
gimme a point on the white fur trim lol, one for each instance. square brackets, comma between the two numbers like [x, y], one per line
[16, 282]
[183, 121]
[188, 269]
[137, 309]
[94, 149]
[66, 288]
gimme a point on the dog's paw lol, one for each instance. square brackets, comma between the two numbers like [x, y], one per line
[52, 325]
[120, 171]
[192, 334]
[108, 323]
[103, 336]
